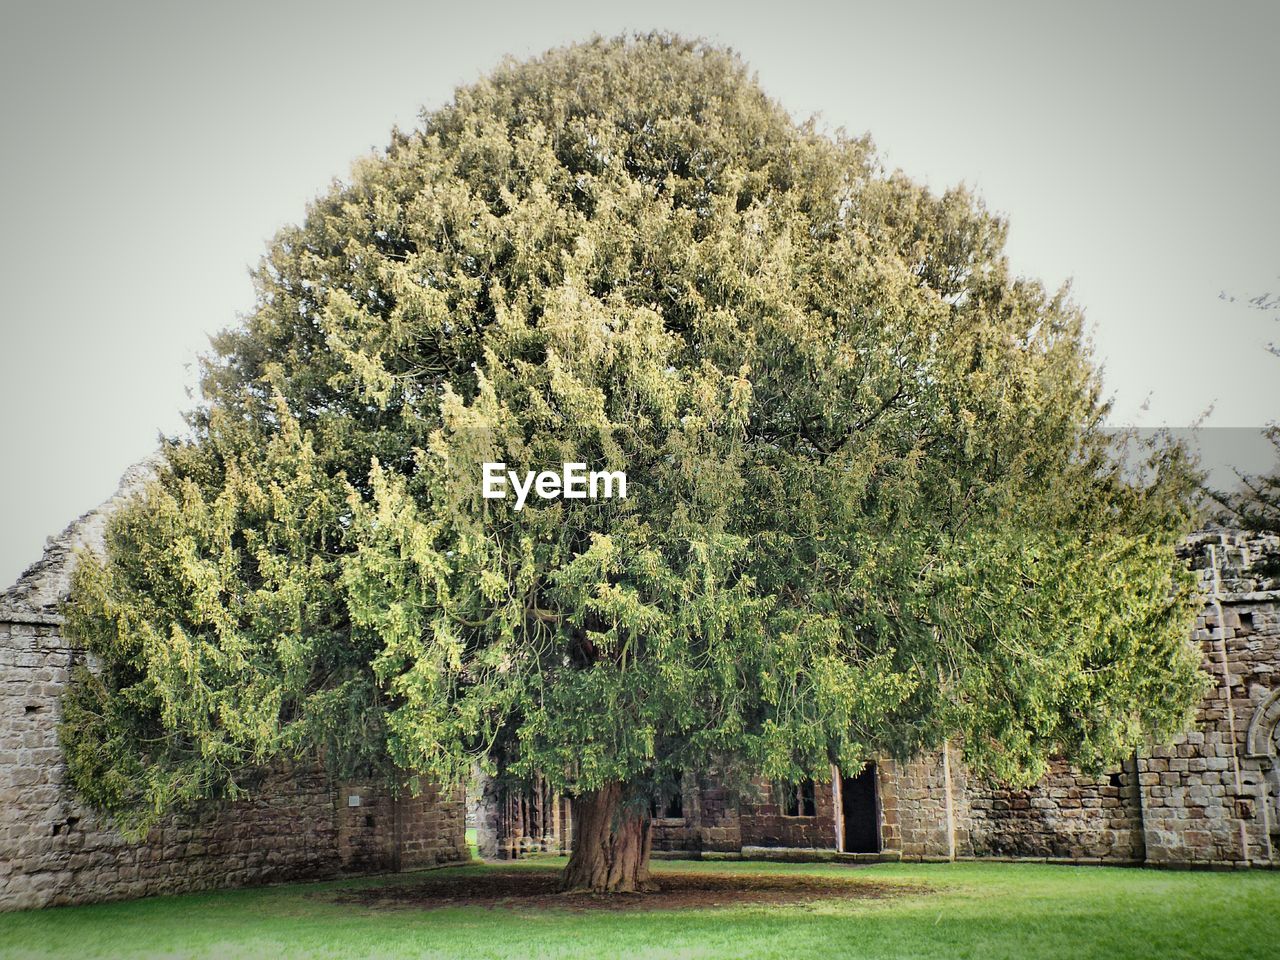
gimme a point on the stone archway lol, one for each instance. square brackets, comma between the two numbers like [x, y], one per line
[1262, 744]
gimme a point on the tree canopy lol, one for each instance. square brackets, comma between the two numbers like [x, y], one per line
[871, 506]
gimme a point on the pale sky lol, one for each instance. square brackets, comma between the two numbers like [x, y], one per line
[150, 150]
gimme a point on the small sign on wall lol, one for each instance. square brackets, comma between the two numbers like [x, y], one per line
[353, 800]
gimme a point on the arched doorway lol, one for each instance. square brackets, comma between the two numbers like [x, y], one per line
[1262, 744]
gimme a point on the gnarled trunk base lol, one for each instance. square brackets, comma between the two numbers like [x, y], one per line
[610, 846]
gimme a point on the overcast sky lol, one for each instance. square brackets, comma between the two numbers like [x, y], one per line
[151, 149]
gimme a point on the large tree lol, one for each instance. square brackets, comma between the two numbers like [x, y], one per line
[870, 503]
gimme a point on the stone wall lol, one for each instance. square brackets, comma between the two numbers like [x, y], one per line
[766, 823]
[378, 832]
[297, 825]
[717, 819]
[710, 820]
[914, 818]
[1210, 796]
[484, 803]
[1067, 815]
[716, 825]
[54, 851]
[432, 828]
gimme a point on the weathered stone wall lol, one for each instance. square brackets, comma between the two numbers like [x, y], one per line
[1067, 815]
[1210, 796]
[55, 851]
[484, 807]
[684, 832]
[433, 828]
[378, 832]
[711, 819]
[719, 820]
[914, 818]
[716, 826]
[765, 823]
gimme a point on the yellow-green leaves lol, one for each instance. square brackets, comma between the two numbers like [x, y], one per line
[869, 506]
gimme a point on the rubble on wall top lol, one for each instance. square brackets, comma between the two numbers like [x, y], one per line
[1248, 563]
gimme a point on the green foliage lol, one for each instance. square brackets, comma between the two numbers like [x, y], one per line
[222, 641]
[871, 506]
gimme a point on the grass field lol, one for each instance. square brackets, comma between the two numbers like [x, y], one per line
[945, 910]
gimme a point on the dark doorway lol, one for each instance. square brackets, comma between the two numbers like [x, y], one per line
[670, 807]
[861, 810]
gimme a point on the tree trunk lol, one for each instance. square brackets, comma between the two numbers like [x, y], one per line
[610, 845]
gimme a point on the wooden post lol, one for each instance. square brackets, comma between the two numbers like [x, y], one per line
[397, 832]
[951, 809]
[555, 823]
[539, 813]
[837, 802]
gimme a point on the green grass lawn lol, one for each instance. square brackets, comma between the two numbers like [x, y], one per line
[1025, 911]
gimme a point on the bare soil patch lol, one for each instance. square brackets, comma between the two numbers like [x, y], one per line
[536, 890]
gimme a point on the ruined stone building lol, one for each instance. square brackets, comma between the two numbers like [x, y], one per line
[1209, 798]
[300, 824]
